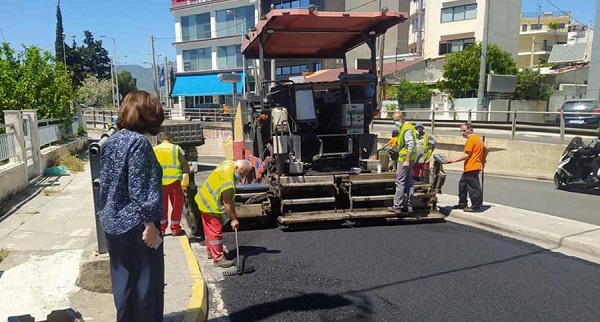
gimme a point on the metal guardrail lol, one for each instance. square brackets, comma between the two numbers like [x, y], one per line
[7, 143]
[103, 118]
[513, 124]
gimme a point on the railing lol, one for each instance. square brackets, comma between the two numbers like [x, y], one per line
[98, 118]
[7, 144]
[50, 133]
[515, 121]
[103, 118]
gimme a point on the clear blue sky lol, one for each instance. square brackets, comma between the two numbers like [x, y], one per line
[583, 11]
[130, 22]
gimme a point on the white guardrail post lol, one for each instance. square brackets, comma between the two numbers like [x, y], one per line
[513, 128]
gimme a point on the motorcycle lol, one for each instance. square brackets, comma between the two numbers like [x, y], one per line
[575, 167]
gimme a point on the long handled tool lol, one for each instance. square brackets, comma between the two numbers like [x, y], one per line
[483, 169]
[238, 270]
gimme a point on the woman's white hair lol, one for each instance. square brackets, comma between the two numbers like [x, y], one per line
[244, 165]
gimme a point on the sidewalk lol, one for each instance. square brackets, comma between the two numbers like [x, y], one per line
[52, 233]
[570, 237]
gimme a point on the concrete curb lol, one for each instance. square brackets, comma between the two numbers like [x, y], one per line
[198, 303]
[566, 236]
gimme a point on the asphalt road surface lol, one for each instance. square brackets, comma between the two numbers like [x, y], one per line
[536, 195]
[427, 272]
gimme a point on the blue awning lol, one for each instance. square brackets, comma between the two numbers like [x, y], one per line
[202, 85]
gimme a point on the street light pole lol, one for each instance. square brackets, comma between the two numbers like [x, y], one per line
[243, 59]
[115, 62]
[112, 81]
[64, 51]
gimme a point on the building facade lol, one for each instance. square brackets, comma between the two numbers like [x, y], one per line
[537, 38]
[208, 37]
[441, 27]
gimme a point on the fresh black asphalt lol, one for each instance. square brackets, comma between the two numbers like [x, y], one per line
[431, 272]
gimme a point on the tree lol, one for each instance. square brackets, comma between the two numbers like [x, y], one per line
[412, 93]
[88, 59]
[531, 86]
[95, 92]
[32, 80]
[59, 42]
[126, 83]
[461, 70]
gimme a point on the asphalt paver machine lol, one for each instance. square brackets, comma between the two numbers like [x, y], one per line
[309, 142]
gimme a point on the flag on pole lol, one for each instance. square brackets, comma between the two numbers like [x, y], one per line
[161, 77]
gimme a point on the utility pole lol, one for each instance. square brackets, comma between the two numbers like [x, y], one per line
[420, 31]
[483, 58]
[532, 51]
[166, 82]
[154, 67]
[381, 51]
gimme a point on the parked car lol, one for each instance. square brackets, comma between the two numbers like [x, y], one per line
[580, 112]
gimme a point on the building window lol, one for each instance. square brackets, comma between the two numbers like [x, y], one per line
[234, 24]
[535, 26]
[414, 25]
[524, 27]
[292, 4]
[292, 70]
[197, 59]
[561, 25]
[195, 27]
[459, 13]
[456, 45]
[229, 57]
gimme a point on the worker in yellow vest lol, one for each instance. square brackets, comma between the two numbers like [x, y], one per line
[215, 200]
[172, 160]
[407, 154]
[425, 146]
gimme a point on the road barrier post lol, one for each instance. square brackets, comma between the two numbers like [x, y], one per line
[433, 121]
[513, 128]
[562, 127]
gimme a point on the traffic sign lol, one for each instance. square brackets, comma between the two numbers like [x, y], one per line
[230, 78]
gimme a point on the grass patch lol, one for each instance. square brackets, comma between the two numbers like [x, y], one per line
[73, 163]
[51, 192]
[3, 254]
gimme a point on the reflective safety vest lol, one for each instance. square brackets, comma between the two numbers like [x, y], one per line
[167, 155]
[208, 197]
[402, 145]
[427, 150]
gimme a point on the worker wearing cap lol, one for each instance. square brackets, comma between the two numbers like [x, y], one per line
[425, 145]
[172, 160]
[407, 154]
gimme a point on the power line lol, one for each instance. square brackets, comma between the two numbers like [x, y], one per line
[564, 12]
[362, 5]
[1, 33]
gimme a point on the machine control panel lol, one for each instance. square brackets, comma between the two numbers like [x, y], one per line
[353, 118]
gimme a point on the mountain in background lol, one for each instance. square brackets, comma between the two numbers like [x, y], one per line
[142, 75]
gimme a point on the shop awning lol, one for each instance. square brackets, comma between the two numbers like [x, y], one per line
[202, 85]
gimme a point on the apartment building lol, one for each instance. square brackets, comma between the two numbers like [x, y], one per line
[208, 37]
[441, 27]
[539, 33]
